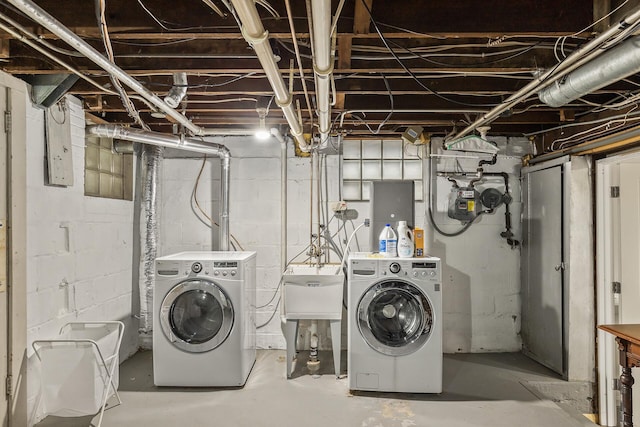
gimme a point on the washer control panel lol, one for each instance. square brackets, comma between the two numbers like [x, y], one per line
[225, 268]
[425, 269]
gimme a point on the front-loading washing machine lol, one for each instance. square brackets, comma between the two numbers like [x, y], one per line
[204, 327]
[395, 324]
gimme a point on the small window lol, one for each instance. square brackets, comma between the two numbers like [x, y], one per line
[366, 160]
[107, 173]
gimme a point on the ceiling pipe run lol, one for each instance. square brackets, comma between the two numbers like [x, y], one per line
[323, 64]
[39, 15]
[613, 65]
[586, 53]
[180, 143]
[255, 34]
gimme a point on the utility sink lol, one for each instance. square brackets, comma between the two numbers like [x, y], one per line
[311, 292]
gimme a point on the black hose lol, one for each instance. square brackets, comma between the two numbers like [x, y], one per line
[455, 233]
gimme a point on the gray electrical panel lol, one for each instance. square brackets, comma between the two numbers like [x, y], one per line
[391, 201]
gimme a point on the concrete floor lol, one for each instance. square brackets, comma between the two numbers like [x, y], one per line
[479, 390]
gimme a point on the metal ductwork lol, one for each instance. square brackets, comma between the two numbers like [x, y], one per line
[615, 64]
[180, 143]
[178, 91]
[40, 16]
[584, 55]
[323, 63]
[255, 34]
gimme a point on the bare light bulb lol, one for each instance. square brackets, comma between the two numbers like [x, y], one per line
[262, 132]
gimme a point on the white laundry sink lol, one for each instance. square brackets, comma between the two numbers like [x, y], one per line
[311, 292]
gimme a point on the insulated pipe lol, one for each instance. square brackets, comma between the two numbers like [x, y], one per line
[255, 34]
[613, 65]
[181, 143]
[323, 65]
[178, 91]
[581, 56]
[150, 164]
[39, 15]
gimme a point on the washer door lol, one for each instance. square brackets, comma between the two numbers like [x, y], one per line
[196, 316]
[395, 317]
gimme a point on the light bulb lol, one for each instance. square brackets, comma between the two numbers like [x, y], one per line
[262, 133]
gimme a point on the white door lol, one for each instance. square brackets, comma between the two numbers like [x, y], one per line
[4, 312]
[618, 269]
[629, 240]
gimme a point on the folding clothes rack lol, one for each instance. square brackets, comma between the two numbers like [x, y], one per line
[79, 367]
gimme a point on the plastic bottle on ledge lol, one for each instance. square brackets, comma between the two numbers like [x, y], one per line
[388, 242]
[405, 240]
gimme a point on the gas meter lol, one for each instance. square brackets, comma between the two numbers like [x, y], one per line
[464, 203]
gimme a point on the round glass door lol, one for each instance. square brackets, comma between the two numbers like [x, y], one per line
[196, 316]
[395, 318]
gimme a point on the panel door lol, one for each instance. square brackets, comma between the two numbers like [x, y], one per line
[542, 275]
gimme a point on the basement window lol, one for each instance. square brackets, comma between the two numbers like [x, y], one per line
[365, 160]
[107, 173]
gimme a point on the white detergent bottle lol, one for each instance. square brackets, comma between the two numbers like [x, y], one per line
[405, 240]
[388, 242]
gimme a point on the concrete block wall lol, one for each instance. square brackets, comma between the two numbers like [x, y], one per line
[481, 282]
[481, 272]
[79, 248]
[255, 217]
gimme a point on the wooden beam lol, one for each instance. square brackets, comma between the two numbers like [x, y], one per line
[151, 36]
[361, 18]
[601, 8]
[4, 49]
[344, 53]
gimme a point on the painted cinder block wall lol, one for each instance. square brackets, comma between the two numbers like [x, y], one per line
[79, 249]
[480, 271]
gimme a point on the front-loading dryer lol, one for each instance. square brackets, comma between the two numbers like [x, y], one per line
[394, 324]
[204, 328]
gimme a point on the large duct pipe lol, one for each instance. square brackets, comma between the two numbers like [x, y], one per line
[178, 91]
[255, 34]
[586, 53]
[613, 65]
[323, 65]
[181, 143]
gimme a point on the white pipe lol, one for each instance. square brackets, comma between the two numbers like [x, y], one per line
[181, 143]
[255, 34]
[178, 91]
[283, 201]
[421, 110]
[613, 65]
[323, 65]
[283, 99]
[581, 56]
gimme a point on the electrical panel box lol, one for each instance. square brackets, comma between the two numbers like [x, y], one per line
[391, 201]
[59, 154]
